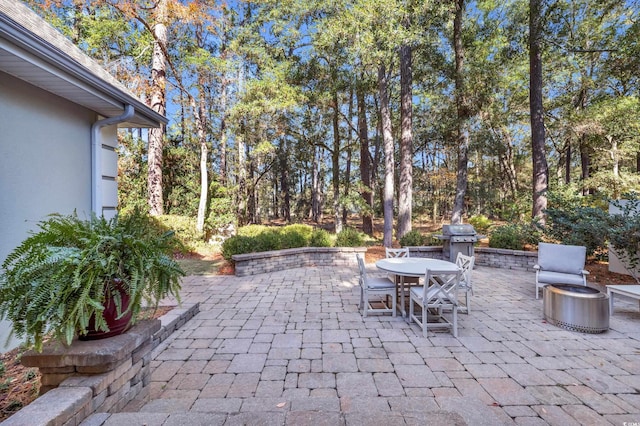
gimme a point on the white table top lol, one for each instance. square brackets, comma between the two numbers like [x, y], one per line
[626, 288]
[414, 266]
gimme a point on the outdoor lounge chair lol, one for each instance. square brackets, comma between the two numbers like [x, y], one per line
[560, 264]
[375, 287]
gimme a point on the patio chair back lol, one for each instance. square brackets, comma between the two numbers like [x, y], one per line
[560, 264]
[465, 263]
[397, 252]
[437, 295]
[400, 252]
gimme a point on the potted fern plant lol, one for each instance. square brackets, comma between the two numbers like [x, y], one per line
[71, 275]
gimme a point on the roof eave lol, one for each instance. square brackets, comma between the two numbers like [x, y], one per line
[29, 42]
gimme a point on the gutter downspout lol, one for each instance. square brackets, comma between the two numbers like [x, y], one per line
[96, 156]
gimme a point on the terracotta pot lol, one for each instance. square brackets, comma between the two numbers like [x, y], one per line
[116, 325]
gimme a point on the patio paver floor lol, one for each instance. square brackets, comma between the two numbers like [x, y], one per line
[291, 348]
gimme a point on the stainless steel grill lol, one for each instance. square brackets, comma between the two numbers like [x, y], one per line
[457, 239]
[576, 308]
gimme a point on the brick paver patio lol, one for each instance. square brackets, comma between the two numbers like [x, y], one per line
[291, 348]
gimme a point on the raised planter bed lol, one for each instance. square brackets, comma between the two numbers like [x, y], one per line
[99, 376]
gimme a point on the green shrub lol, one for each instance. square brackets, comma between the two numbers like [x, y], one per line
[267, 241]
[320, 238]
[292, 240]
[480, 223]
[431, 240]
[412, 239]
[514, 236]
[349, 237]
[222, 210]
[571, 222]
[297, 235]
[252, 230]
[184, 227]
[238, 244]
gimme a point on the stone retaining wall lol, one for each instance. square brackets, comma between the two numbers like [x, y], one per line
[98, 376]
[277, 260]
[485, 256]
[270, 261]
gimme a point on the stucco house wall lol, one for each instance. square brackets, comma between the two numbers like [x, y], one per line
[55, 155]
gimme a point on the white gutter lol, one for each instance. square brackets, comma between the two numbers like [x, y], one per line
[96, 156]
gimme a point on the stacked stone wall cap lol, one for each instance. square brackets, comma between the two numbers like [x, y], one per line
[101, 355]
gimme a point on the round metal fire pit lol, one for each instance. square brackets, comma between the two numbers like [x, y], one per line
[576, 308]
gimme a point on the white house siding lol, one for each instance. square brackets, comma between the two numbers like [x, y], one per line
[45, 162]
[109, 141]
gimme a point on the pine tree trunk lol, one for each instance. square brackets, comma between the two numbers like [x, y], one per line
[405, 194]
[462, 110]
[201, 130]
[387, 137]
[365, 163]
[158, 104]
[540, 169]
[335, 164]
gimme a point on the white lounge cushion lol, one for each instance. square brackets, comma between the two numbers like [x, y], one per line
[549, 277]
[561, 258]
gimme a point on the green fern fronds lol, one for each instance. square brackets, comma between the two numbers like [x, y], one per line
[57, 278]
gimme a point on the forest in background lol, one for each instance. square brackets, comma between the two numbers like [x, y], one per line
[296, 109]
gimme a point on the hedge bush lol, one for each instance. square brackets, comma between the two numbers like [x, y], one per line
[514, 236]
[257, 238]
[480, 223]
[571, 222]
[320, 238]
[184, 227]
[412, 238]
[349, 237]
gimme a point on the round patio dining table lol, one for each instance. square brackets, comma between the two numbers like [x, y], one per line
[413, 267]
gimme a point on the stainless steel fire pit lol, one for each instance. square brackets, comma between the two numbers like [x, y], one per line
[576, 308]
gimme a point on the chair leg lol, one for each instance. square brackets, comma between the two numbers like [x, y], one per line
[455, 321]
[411, 309]
[366, 305]
[394, 306]
[424, 320]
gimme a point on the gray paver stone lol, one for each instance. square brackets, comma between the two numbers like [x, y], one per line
[339, 362]
[314, 418]
[195, 419]
[356, 384]
[217, 405]
[247, 363]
